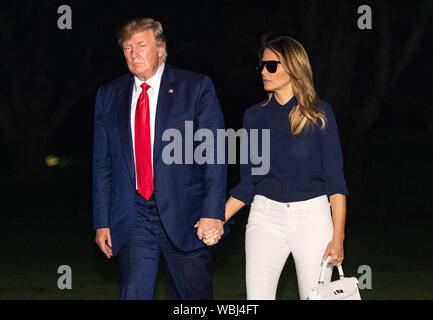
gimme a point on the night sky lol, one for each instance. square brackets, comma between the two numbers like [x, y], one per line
[220, 39]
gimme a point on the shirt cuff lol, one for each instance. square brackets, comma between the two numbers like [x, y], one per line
[333, 188]
[243, 193]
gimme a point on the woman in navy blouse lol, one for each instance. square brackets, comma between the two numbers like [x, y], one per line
[291, 204]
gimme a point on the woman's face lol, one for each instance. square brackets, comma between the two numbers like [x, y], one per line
[277, 81]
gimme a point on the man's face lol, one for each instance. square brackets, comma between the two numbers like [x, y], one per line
[142, 54]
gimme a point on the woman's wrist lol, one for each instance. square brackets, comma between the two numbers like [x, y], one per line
[338, 236]
[233, 205]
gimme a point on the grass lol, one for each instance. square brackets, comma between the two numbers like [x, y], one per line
[396, 253]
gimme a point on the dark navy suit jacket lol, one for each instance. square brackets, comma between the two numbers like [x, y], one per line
[184, 192]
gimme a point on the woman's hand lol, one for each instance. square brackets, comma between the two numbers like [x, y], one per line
[335, 246]
[210, 236]
[335, 251]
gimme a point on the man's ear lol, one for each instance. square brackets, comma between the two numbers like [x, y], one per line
[161, 50]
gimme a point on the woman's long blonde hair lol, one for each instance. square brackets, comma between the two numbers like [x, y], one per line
[294, 60]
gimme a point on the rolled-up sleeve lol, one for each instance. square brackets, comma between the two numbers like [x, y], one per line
[245, 189]
[331, 155]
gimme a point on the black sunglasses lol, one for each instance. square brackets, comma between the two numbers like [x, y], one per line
[271, 66]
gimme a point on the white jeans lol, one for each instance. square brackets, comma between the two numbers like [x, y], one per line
[276, 229]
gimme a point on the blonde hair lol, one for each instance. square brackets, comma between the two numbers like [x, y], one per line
[142, 24]
[294, 60]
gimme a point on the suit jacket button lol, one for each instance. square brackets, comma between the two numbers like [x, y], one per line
[134, 203]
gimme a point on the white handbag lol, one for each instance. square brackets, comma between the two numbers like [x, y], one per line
[343, 289]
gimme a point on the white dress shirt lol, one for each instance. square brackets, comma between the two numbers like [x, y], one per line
[154, 83]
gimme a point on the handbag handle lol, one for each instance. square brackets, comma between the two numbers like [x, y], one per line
[322, 273]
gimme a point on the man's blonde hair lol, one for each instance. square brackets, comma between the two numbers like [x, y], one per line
[142, 24]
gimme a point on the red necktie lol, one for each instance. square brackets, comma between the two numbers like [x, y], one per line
[143, 151]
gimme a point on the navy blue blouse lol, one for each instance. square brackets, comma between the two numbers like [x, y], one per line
[301, 167]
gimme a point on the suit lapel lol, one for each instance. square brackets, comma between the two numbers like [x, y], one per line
[124, 120]
[165, 101]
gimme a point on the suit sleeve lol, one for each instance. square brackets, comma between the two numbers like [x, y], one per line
[209, 116]
[101, 168]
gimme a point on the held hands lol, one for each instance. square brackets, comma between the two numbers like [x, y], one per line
[209, 230]
[103, 239]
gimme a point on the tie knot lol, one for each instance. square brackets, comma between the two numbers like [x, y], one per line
[145, 86]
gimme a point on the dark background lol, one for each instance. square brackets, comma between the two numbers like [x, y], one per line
[379, 83]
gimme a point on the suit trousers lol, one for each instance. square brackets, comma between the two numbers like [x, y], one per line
[188, 272]
[276, 229]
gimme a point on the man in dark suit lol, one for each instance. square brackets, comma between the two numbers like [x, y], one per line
[144, 207]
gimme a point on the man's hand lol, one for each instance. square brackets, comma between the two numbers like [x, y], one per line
[209, 230]
[103, 239]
